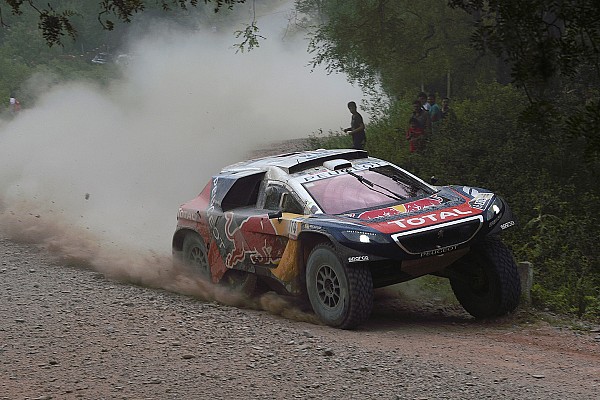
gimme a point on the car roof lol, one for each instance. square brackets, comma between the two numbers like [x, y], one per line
[295, 161]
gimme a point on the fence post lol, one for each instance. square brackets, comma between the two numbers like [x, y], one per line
[526, 274]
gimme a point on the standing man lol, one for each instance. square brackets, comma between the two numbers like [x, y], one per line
[447, 112]
[357, 128]
[435, 113]
[12, 103]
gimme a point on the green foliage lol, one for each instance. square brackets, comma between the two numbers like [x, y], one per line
[586, 124]
[553, 49]
[24, 51]
[398, 45]
[250, 38]
[566, 262]
[13, 72]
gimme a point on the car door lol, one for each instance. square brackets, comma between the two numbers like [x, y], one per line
[269, 233]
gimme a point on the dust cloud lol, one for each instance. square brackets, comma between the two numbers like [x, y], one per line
[95, 174]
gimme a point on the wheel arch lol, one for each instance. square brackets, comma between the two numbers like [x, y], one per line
[178, 237]
[309, 240]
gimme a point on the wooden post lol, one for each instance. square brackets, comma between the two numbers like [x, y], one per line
[526, 275]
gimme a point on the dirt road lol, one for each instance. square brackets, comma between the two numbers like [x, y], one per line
[68, 332]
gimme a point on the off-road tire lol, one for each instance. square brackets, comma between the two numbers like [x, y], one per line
[341, 296]
[195, 255]
[486, 281]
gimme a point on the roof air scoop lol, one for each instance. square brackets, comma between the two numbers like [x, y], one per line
[337, 164]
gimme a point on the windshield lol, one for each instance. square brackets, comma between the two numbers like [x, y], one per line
[365, 189]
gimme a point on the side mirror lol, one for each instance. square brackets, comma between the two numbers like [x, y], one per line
[433, 180]
[275, 214]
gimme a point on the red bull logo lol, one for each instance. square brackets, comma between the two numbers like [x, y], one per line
[248, 239]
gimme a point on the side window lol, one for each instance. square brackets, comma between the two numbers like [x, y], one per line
[291, 205]
[243, 193]
[278, 197]
[273, 197]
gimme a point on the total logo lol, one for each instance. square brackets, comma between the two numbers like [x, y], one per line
[428, 218]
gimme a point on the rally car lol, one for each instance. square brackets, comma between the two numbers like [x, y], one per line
[333, 225]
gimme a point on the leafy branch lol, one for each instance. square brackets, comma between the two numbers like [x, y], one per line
[55, 25]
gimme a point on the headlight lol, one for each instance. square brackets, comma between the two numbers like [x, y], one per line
[364, 237]
[494, 209]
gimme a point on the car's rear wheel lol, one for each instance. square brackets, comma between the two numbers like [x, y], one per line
[341, 296]
[195, 255]
[486, 281]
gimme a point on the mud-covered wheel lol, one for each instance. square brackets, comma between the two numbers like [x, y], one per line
[341, 296]
[486, 281]
[195, 255]
[241, 281]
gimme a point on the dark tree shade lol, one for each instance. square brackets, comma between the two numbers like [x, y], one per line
[54, 24]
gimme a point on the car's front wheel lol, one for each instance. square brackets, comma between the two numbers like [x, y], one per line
[195, 255]
[486, 281]
[341, 296]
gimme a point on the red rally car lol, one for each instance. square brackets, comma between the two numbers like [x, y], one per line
[332, 225]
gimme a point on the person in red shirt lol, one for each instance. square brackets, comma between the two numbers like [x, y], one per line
[419, 126]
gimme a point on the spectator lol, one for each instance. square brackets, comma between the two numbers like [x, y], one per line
[419, 127]
[357, 128]
[447, 112]
[12, 103]
[435, 113]
[422, 97]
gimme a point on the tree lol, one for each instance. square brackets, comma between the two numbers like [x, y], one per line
[55, 21]
[400, 45]
[553, 50]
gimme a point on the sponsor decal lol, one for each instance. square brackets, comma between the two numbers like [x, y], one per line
[507, 225]
[213, 217]
[412, 206]
[481, 201]
[328, 173]
[294, 228]
[213, 192]
[358, 259]
[438, 251]
[494, 222]
[470, 191]
[189, 215]
[312, 227]
[429, 218]
[252, 246]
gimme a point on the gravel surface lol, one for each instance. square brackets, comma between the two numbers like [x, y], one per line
[69, 332]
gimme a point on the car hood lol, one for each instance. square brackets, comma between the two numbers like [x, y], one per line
[442, 207]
